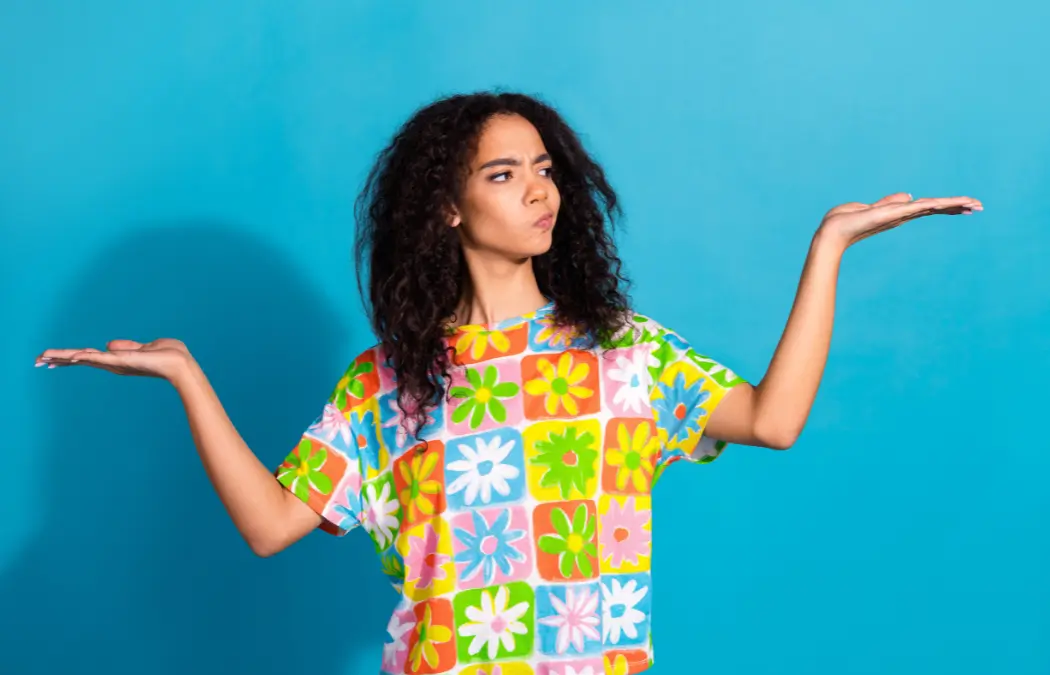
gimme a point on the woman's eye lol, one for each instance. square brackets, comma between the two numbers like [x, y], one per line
[499, 177]
[547, 171]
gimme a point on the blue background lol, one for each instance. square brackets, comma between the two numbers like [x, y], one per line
[188, 170]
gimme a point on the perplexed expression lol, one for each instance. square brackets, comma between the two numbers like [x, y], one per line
[509, 202]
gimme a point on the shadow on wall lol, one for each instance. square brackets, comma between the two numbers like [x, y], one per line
[139, 568]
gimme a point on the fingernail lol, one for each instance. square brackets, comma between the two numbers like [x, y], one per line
[52, 365]
[45, 358]
[38, 364]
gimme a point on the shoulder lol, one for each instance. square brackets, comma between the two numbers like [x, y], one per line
[642, 329]
[362, 378]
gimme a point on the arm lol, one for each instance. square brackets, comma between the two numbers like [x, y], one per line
[269, 517]
[773, 413]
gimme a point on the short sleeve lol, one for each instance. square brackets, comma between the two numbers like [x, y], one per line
[685, 390]
[324, 469]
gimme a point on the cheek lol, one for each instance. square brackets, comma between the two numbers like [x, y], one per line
[491, 218]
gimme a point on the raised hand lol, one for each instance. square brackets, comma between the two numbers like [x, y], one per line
[854, 221]
[161, 358]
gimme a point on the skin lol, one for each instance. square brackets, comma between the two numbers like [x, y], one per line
[508, 188]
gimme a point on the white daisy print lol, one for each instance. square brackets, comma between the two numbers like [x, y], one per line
[494, 623]
[397, 631]
[483, 470]
[618, 611]
[633, 374]
[379, 519]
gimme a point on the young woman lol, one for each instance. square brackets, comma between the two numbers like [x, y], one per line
[501, 441]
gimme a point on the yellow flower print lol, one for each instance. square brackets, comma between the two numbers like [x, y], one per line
[616, 667]
[428, 634]
[554, 334]
[418, 487]
[561, 386]
[634, 458]
[477, 339]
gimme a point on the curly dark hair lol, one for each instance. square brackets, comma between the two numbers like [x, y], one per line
[415, 266]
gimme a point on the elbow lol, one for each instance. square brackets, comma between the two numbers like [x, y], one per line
[262, 549]
[776, 438]
[265, 547]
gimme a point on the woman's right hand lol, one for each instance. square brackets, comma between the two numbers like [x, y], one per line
[163, 358]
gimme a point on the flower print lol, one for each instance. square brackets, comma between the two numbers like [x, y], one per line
[419, 484]
[633, 374]
[622, 534]
[587, 670]
[393, 651]
[569, 460]
[483, 470]
[677, 403]
[332, 425]
[554, 335]
[634, 458]
[351, 511]
[619, 615]
[494, 623]
[393, 567]
[367, 442]
[352, 383]
[576, 618]
[394, 419]
[302, 470]
[618, 666]
[572, 544]
[477, 339]
[428, 635]
[379, 519]
[560, 386]
[423, 563]
[489, 547]
[482, 397]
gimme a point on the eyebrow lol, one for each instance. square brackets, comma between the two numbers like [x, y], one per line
[509, 161]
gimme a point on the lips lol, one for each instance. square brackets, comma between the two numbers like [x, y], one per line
[546, 222]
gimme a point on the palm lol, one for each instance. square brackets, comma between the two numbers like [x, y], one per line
[855, 221]
[159, 358]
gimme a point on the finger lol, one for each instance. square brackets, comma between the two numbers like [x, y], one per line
[95, 357]
[929, 206]
[57, 354]
[895, 198]
[123, 344]
[848, 207]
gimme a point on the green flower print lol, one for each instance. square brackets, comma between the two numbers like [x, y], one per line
[569, 460]
[302, 470]
[393, 568]
[482, 397]
[573, 544]
[351, 384]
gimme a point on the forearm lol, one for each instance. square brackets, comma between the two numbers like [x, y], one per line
[784, 397]
[258, 505]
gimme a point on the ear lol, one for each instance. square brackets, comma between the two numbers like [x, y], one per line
[452, 216]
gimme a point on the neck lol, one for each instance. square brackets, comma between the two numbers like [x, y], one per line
[498, 289]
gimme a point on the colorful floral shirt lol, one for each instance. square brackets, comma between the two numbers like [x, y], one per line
[519, 534]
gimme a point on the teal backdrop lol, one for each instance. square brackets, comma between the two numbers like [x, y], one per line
[189, 169]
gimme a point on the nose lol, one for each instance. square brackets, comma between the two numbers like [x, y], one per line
[536, 190]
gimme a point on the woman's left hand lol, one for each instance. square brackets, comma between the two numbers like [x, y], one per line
[854, 221]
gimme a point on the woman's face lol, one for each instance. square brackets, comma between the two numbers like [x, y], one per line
[509, 203]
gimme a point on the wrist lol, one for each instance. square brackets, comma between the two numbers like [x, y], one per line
[183, 372]
[830, 240]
